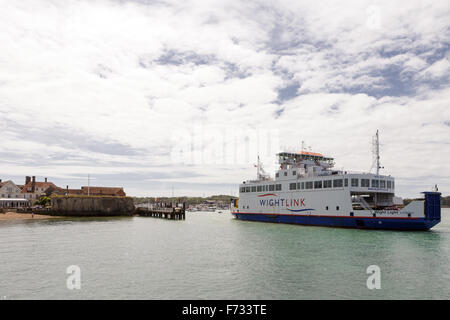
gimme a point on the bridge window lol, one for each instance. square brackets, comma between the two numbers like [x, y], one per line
[327, 184]
[303, 186]
[292, 186]
[389, 184]
[383, 184]
[317, 184]
[277, 175]
[375, 183]
[254, 189]
[345, 182]
[393, 185]
[271, 187]
[285, 173]
[365, 183]
[294, 173]
[337, 183]
[247, 189]
[259, 188]
[278, 187]
[242, 189]
[309, 185]
[355, 182]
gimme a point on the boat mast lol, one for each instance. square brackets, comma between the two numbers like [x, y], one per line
[377, 150]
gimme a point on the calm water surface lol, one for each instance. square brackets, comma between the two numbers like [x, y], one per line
[213, 256]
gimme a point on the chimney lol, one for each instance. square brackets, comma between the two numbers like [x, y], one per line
[45, 179]
[33, 184]
[27, 179]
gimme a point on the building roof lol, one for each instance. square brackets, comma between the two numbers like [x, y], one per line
[8, 181]
[71, 191]
[103, 190]
[2, 183]
[44, 185]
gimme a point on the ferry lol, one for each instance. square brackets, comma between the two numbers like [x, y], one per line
[307, 190]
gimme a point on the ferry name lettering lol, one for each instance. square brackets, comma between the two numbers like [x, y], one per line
[393, 212]
[282, 202]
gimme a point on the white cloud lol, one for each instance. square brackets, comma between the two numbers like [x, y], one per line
[437, 70]
[98, 86]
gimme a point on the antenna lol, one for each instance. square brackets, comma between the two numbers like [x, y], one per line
[257, 170]
[376, 153]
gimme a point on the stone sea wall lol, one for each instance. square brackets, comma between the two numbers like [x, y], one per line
[91, 206]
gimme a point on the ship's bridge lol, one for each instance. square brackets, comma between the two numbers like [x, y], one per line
[289, 158]
[303, 164]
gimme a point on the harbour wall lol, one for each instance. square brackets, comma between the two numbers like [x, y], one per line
[91, 206]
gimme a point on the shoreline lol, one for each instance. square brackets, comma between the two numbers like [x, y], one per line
[11, 216]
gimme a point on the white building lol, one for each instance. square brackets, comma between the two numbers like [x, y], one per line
[11, 195]
[9, 189]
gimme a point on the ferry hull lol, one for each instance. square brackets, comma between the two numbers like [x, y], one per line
[344, 222]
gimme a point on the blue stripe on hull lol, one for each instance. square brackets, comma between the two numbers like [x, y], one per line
[350, 222]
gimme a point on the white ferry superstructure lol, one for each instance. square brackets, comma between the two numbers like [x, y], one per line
[307, 191]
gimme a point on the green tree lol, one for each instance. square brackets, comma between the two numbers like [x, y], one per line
[43, 201]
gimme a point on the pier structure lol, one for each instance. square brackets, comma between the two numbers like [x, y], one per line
[163, 211]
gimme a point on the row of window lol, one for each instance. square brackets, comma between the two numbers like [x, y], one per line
[339, 183]
[326, 184]
[374, 183]
[269, 187]
[365, 183]
[277, 175]
[21, 195]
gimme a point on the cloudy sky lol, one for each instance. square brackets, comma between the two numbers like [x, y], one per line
[162, 95]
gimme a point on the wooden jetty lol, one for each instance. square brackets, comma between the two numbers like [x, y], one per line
[163, 211]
